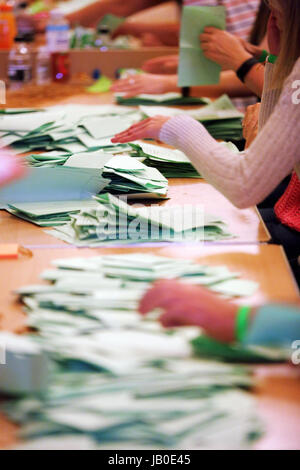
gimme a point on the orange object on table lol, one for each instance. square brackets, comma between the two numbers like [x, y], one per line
[12, 251]
[9, 251]
[8, 28]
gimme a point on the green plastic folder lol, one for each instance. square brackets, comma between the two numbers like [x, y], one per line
[167, 99]
[53, 184]
[194, 68]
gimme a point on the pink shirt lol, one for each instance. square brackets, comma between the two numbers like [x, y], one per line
[241, 14]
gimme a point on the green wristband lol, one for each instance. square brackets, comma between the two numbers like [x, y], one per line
[242, 323]
[272, 59]
[263, 56]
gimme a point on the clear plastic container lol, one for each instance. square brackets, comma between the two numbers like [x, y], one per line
[103, 39]
[20, 63]
[58, 44]
[43, 66]
[57, 33]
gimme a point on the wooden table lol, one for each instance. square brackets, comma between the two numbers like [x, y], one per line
[265, 264]
[246, 225]
[278, 388]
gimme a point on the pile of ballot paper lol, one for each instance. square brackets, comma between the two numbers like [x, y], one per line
[166, 99]
[128, 175]
[50, 214]
[114, 379]
[124, 173]
[116, 222]
[171, 163]
[221, 118]
[69, 128]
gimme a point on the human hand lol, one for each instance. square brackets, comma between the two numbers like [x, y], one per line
[190, 305]
[166, 65]
[250, 123]
[223, 48]
[147, 129]
[255, 51]
[142, 83]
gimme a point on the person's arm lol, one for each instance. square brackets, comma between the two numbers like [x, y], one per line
[90, 15]
[190, 305]
[161, 22]
[146, 83]
[246, 180]
[164, 65]
[230, 52]
[230, 84]
[273, 325]
[157, 84]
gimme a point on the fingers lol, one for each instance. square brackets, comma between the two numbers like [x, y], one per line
[204, 38]
[123, 84]
[211, 30]
[149, 128]
[129, 86]
[157, 297]
[173, 319]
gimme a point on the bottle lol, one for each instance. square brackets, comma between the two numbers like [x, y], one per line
[7, 26]
[103, 41]
[24, 21]
[58, 43]
[20, 63]
[43, 66]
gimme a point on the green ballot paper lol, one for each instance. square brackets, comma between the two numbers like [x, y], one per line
[53, 184]
[166, 99]
[118, 378]
[194, 68]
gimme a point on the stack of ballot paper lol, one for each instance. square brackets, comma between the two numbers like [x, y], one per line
[177, 404]
[122, 173]
[129, 175]
[52, 213]
[167, 99]
[126, 174]
[171, 163]
[221, 118]
[114, 221]
[70, 128]
[122, 273]
[52, 185]
[118, 379]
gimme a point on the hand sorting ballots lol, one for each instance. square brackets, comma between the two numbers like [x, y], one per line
[190, 305]
[224, 48]
[165, 65]
[147, 129]
[143, 83]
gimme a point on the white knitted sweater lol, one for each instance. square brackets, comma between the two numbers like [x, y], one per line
[247, 180]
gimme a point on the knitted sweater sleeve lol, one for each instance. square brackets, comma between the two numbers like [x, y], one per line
[248, 179]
